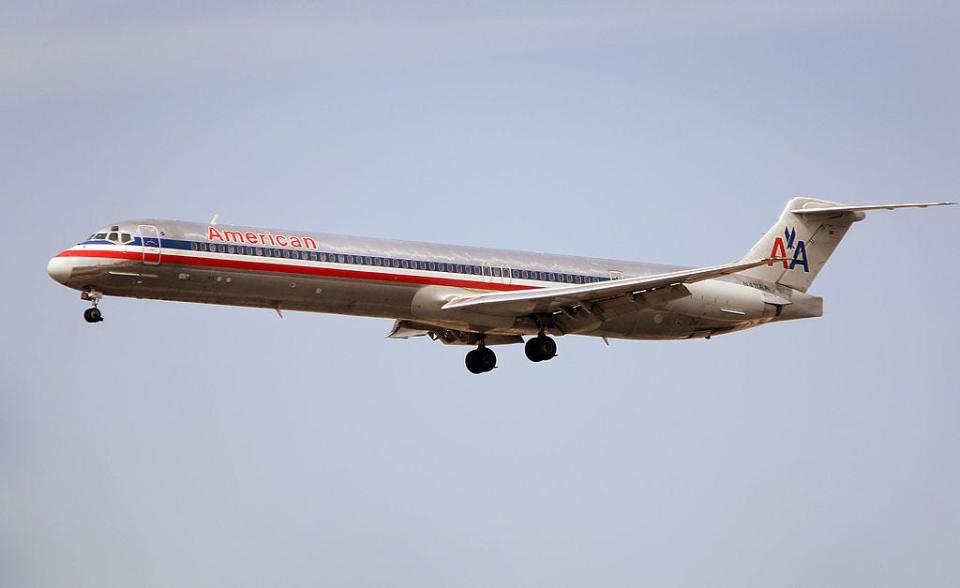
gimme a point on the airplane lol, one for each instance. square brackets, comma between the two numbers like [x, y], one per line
[464, 295]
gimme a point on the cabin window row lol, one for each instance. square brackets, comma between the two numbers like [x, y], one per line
[457, 268]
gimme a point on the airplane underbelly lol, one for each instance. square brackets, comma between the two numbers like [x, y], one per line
[260, 289]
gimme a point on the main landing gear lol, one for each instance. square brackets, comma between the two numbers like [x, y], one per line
[540, 348]
[480, 360]
[93, 314]
[483, 359]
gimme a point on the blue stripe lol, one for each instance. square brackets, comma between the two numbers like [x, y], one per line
[331, 257]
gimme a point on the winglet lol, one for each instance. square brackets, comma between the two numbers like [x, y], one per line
[215, 219]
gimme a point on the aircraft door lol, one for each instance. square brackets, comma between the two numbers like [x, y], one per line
[150, 244]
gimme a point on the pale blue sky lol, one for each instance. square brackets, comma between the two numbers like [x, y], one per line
[210, 446]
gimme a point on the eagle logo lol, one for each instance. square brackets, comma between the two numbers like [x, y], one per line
[790, 234]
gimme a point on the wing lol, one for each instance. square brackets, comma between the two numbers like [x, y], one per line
[866, 207]
[548, 300]
[404, 329]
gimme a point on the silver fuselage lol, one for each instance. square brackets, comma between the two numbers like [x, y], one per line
[403, 280]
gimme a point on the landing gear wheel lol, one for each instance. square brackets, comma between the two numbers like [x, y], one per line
[92, 315]
[488, 359]
[540, 348]
[481, 360]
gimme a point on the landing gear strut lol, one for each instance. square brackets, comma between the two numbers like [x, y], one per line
[540, 348]
[480, 360]
[93, 314]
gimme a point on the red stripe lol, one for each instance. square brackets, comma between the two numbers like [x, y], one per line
[301, 270]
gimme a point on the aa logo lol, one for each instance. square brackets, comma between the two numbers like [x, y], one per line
[789, 242]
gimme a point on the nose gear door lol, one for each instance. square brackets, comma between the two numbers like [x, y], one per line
[150, 244]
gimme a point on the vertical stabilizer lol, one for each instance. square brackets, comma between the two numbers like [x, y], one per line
[806, 241]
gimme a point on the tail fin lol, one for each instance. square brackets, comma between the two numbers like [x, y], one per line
[808, 231]
[805, 241]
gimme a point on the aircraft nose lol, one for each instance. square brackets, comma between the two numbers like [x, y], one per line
[60, 269]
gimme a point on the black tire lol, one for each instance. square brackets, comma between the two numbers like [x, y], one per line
[532, 350]
[540, 348]
[92, 315]
[488, 359]
[474, 362]
[548, 347]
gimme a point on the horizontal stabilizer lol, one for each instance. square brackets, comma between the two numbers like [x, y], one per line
[865, 207]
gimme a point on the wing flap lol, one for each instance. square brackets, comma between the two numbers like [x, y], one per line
[550, 299]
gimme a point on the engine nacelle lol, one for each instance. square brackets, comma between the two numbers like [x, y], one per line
[724, 302]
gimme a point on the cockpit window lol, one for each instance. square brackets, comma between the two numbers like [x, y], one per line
[112, 234]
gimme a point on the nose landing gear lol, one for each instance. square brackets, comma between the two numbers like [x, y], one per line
[480, 360]
[93, 314]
